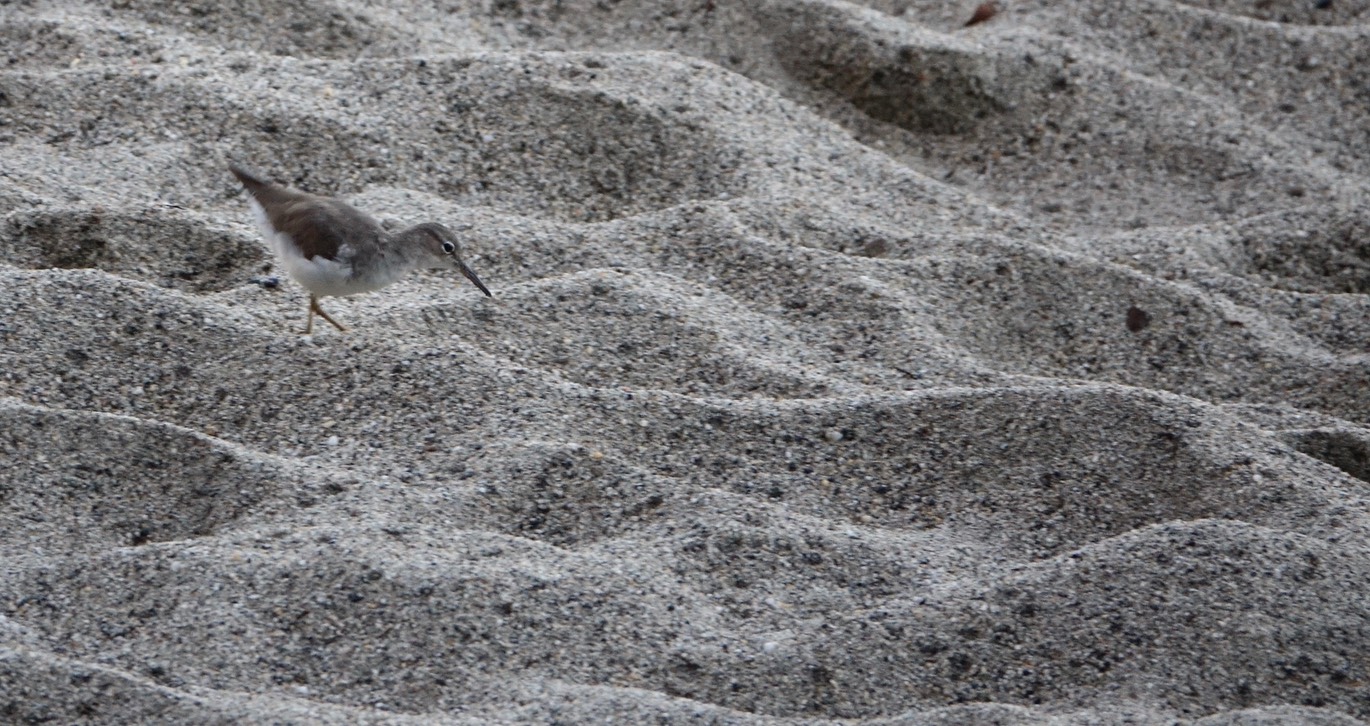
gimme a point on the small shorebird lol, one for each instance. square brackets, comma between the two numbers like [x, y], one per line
[335, 249]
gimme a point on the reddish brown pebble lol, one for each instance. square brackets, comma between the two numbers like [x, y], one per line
[983, 12]
[1137, 319]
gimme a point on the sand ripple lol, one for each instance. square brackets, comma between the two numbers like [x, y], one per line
[844, 363]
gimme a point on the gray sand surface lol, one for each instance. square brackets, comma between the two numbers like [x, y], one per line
[845, 365]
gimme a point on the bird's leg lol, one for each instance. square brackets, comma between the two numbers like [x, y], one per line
[314, 308]
[309, 326]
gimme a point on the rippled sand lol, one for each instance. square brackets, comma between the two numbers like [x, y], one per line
[845, 363]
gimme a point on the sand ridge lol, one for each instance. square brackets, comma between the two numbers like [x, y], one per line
[845, 365]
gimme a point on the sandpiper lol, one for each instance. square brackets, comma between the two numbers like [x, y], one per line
[335, 249]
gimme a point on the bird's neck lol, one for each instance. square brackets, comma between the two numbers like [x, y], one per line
[411, 247]
[386, 263]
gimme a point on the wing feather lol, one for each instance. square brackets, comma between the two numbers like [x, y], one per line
[318, 227]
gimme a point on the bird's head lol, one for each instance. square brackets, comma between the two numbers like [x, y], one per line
[444, 250]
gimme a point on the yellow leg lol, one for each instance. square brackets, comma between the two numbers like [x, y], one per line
[314, 308]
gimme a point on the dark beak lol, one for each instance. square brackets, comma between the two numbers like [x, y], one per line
[472, 277]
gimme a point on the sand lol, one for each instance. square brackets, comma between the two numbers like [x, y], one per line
[845, 364]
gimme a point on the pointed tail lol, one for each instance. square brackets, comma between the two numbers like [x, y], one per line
[251, 181]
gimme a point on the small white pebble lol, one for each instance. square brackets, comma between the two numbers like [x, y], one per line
[769, 646]
[832, 435]
[331, 441]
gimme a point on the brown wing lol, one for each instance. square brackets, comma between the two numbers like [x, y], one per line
[308, 226]
[319, 227]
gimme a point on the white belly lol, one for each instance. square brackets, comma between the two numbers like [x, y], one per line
[321, 276]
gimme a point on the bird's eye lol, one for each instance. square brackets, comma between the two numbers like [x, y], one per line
[448, 247]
